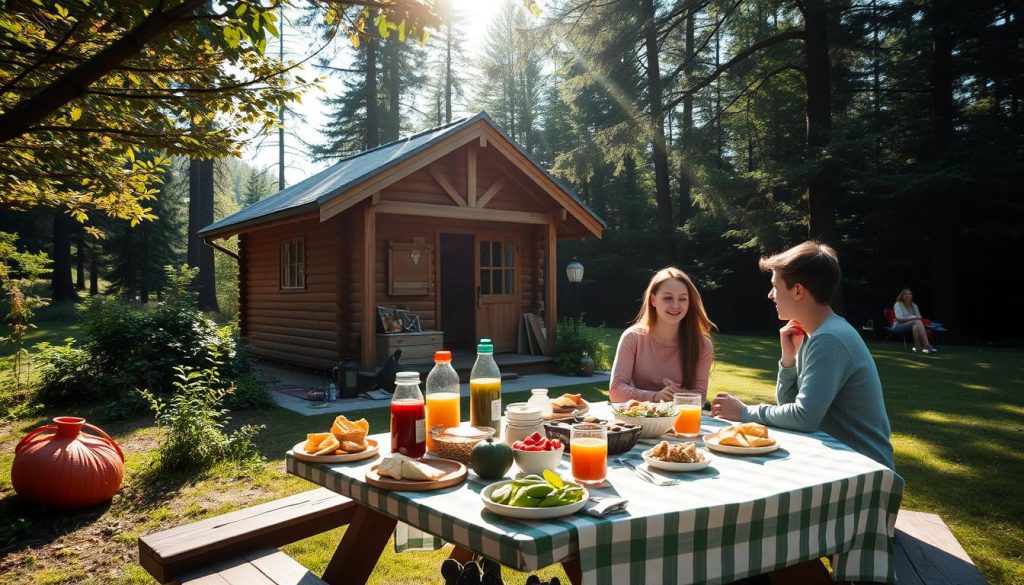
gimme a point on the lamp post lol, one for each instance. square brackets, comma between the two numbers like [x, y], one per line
[574, 272]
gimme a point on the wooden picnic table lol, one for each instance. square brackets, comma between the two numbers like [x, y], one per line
[743, 516]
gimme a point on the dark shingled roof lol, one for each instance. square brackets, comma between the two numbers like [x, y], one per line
[312, 192]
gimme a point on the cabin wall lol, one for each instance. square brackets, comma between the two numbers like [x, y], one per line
[293, 326]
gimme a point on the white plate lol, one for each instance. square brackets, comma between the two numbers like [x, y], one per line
[711, 442]
[675, 466]
[301, 455]
[529, 513]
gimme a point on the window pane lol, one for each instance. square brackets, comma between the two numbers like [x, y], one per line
[509, 255]
[300, 249]
[485, 254]
[497, 254]
[485, 282]
[496, 278]
[509, 278]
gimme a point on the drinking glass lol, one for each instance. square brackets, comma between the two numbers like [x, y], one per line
[688, 422]
[589, 453]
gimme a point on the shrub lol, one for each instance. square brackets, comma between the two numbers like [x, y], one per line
[130, 346]
[193, 420]
[570, 343]
[250, 393]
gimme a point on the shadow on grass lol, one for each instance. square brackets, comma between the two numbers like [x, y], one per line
[29, 525]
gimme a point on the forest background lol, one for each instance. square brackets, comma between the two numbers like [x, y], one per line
[705, 132]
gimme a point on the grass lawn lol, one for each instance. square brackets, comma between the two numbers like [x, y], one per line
[956, 418]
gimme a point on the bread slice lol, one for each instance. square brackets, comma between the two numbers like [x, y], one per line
[313, 441]
[752, 429]
[327, 446]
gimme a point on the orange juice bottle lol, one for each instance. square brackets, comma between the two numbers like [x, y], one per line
[485, 389]
[442, 395]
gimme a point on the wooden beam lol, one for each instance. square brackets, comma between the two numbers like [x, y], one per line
[491, 191]
[368, 329]
[447, 186]
[483, 141]
[471, 213]
[550, 280]
[261, 226]
[563, 214]
[549, 186]
[471, 174]
[403, 169]
[375, 199]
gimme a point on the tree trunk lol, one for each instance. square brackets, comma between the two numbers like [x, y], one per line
[94, 272]
[941, 207]
[685, 174]
[200, 215]
[821, 199]
[663, 195]
[60, 278]
[448, 75]
[372, 112]
[80, 259]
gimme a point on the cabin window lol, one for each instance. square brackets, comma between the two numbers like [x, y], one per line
[497, 268]
[293, 264]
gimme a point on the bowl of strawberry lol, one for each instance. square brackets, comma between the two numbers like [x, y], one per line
[536, 453]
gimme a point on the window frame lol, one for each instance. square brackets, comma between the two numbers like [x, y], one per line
[286, 261]
[505, 270]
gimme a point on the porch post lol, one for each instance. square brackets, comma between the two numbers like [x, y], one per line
[369, 302]
[550, 280]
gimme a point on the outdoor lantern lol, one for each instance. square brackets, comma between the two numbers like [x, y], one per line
[574, 271]
[346, 377]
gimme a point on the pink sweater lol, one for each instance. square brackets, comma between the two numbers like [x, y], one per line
[641, 363]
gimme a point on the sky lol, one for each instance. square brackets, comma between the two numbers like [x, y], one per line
[310, 113]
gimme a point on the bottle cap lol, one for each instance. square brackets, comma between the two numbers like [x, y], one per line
[442, 356]
[485, 346]
[407, 378]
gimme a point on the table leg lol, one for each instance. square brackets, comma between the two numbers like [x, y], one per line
[573, 570]
[808, 573]
[463, 555]
[360, 548]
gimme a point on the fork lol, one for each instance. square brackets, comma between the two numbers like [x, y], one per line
[647, 475]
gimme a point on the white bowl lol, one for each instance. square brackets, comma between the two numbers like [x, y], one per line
[529, 513]
[535, 462]
[650, 427]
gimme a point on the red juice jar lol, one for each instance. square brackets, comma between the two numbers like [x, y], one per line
[408, 416]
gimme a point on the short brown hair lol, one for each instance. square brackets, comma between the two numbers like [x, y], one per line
[812, 264]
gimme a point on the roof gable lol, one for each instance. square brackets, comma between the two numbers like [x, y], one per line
[322, 190]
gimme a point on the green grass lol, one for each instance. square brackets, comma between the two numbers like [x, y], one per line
[957, 419]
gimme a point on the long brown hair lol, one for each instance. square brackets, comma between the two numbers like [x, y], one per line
[694, 327]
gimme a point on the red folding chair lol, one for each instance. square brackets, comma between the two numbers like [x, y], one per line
[890, 327]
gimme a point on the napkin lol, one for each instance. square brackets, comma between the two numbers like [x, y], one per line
[605, 505]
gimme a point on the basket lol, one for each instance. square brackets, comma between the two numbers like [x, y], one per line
[650, 427]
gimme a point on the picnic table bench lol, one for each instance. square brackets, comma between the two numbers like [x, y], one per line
[241, 546]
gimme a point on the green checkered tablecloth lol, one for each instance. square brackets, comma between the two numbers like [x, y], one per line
[742, 516]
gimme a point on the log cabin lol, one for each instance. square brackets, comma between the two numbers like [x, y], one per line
[457, 225]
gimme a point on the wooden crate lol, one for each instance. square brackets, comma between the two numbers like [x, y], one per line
[417, 348]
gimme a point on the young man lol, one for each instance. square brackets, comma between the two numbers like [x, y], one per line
[827, 379]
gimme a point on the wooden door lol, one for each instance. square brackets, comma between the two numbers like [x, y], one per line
[458, 291]
[498, 264]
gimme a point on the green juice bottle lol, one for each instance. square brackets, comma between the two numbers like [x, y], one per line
[485, 389]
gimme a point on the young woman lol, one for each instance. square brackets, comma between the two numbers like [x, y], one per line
[668, 348]
[908, 317]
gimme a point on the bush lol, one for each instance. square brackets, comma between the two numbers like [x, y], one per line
[194, 421]
[570, 344]
[130, 346]
[250, 394]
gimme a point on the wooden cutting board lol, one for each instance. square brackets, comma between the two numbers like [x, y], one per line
[456, 474]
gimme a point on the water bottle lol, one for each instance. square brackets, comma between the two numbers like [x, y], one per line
[485, 389]
[442, 395]
[332, 392]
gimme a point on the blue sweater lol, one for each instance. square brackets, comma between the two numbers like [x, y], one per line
[833, 387]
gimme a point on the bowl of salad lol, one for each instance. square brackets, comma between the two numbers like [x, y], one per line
[654, 418]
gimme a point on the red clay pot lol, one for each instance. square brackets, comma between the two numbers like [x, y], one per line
[67, 469]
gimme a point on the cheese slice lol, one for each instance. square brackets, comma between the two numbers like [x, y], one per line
[420, 471]
[391, 466]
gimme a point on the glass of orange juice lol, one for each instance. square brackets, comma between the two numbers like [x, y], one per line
[688, 422]
[588, 446]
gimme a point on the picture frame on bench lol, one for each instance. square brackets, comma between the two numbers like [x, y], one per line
[410, 321]
[388, 320]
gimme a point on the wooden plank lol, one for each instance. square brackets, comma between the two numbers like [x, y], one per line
[537, 331]
[471, 174]
[491, 191]
[472, 214]
[173, 552]
[281, 568]
[550, 278]
[368, 286]
[446, 186]
[360, 547]
[299, 340]
[926, 552]
[290, 357]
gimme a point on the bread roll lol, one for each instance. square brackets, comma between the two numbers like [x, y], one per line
[752, 429]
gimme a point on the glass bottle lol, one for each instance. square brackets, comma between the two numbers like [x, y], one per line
[539, 398]
[442, 395]
[485, 390]
[408, 416]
